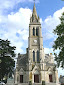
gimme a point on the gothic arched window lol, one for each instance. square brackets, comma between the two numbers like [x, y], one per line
[38, 56]
[37, 31]
[33, 56]
[33, 31]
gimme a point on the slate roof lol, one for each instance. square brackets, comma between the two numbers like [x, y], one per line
[23, 62]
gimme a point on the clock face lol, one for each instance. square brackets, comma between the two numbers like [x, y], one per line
[35, 41]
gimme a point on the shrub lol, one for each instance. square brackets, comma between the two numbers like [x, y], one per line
[62, 84]
[43, 82]
[30, 82]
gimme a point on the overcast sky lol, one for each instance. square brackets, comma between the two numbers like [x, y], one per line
[15, 17]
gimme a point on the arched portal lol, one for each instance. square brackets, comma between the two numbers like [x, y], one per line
[36, 76]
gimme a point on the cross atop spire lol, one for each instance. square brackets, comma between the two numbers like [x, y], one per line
[34, 1]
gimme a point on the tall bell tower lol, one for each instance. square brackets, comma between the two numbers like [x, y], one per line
[35, 66]
[35, 45]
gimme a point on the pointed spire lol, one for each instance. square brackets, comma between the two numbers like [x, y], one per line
[34, 10]
[34, 18]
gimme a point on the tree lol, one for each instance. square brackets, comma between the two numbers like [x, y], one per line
[59, 43]
[7, 62]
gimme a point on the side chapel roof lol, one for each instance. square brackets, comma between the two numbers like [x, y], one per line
[22, 61]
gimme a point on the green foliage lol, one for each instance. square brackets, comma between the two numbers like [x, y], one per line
[30, 82]
[59, 43]
[43, 82]
[7, 62]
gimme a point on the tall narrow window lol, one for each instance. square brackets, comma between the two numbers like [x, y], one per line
[37, 31]
[33, 56]
[38, 56]
[33, 31]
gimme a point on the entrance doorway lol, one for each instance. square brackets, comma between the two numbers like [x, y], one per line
[50, 78]
[21, 78]
[36, 78]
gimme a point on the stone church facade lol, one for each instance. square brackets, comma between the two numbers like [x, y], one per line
[35, 65]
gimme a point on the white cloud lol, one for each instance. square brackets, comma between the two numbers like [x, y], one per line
[10, 4]
[18, 23]
[50, 23]
[60, 71]
[15, 28]
[48, 50]
[20, 19]
[48, 36]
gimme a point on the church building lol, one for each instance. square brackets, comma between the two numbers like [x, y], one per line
[35, 66]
